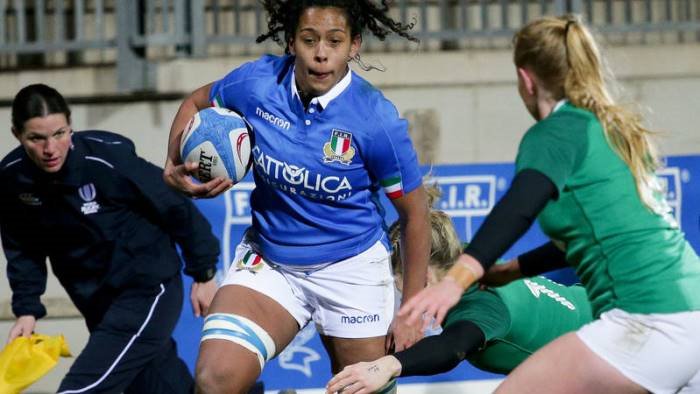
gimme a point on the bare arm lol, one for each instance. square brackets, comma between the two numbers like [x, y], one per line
[177, 174]
[415, 241]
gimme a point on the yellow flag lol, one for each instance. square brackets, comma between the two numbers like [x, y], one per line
[25, 360]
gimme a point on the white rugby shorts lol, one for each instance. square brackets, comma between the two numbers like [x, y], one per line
[660, 352]
[352, 298]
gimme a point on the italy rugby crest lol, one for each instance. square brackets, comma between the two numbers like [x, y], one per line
[339, 148]
[251, 262]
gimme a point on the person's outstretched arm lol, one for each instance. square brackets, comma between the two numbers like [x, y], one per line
[509, 220]
[429, 356]
[26, 272]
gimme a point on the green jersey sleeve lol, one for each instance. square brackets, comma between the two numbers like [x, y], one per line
[485, 309]
[553, 147]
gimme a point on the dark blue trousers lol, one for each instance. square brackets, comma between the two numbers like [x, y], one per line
[130, 349]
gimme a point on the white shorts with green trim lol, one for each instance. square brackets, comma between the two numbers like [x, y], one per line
[660, 352]
[352, 298]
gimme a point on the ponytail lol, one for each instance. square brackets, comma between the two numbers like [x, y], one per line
[564, 55]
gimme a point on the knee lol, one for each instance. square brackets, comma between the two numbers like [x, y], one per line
[214, 376]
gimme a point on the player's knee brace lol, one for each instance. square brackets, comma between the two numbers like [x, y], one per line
[242, 331]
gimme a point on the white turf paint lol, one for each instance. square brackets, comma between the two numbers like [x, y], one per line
[467, 386]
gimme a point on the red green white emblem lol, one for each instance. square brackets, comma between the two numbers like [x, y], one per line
[339, 148]
[217, 101]
[392, 187]
[251, 261]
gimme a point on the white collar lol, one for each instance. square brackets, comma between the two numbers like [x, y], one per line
[559, 104]
[330, 95]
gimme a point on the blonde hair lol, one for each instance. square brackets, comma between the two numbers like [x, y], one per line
[445, 245]
[564, 56]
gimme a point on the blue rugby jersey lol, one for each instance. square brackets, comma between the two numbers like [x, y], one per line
[318, 172]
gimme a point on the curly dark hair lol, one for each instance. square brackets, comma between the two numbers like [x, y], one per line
[283, 17]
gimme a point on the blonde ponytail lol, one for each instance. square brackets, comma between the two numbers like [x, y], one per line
[563, 54]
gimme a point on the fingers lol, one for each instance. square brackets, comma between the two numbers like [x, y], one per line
[346, 385]
[408, 311]
[218, 186]
[440, 316]
[12, 335]
[196, 310]
[180, 177]
[338, 382]
[203, 307]
[19, 330]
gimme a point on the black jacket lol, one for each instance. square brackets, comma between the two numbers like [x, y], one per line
[106, 220]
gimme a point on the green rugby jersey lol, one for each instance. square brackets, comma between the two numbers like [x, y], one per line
[519, 318]
[626, 255]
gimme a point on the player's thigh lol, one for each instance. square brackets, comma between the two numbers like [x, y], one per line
[348, 351]
[236, 302]
[567, 365]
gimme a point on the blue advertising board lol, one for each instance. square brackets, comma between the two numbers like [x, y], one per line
[469, 192]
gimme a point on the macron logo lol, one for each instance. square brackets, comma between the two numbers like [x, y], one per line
[272, 119]
[360, 319]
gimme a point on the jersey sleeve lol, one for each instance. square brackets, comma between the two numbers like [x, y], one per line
[485, 309]
[26, 267]
[552, 148]
[391, 157]
[233, 90]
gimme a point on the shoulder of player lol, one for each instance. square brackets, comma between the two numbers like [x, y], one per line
[267, 67]
[568, 118]
[109, 149]
[368, 100]
[11, 163]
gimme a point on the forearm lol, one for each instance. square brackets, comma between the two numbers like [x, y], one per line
[198, 100]
[441, 353]
[416, 249]
[26, 274]
[511, 217]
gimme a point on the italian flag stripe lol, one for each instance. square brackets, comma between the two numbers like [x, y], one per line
[247, 256]
[217, 101]
[392, 187]
[334, 144]
[257, 259]
[346, 145]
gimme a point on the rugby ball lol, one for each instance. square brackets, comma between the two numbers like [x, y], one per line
[219, 140]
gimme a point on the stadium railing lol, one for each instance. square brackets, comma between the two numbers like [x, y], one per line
[134, 34]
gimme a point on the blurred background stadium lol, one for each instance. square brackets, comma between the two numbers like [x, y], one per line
[125, 65]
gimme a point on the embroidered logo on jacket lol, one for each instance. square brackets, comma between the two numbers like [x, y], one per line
[339, 148]
[88, 194]
[29, 199]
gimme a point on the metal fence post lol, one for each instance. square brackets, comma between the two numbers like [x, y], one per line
[198, 33]
[560, 7]
[133, 70]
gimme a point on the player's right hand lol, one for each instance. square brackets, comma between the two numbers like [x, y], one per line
[23, 327]
[180, 177]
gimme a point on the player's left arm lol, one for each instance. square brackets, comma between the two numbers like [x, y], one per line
[415, 243]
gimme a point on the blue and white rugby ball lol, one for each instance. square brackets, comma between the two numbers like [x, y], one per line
[218, 139]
